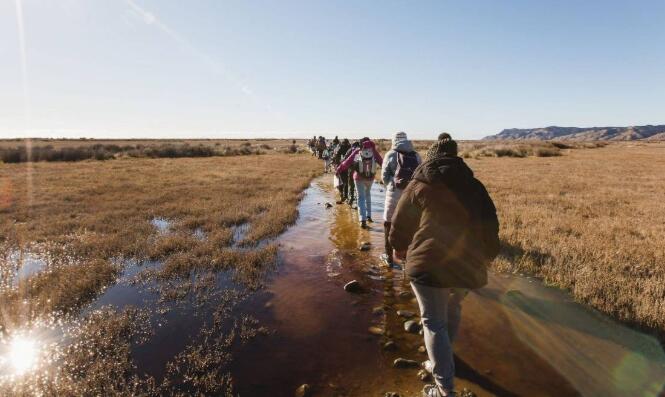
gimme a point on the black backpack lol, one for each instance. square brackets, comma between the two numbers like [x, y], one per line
[406, 165]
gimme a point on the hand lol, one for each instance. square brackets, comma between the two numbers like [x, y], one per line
[401, 255]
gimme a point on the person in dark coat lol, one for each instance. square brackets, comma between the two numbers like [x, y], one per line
[338, 157]
[445, 226]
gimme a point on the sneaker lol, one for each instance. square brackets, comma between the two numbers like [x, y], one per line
[427, 366]
[363, 224]
[369, 219]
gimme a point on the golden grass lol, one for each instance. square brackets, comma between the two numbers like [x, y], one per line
[590, 221]
[98, 213]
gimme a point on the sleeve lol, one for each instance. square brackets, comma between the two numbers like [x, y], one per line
[406, 220]
[490, 224]
[387, 171]
[347, 161]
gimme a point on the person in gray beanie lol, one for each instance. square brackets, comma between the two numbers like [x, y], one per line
[399, 165]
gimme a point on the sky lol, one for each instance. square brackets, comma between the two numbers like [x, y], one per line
[240, 69]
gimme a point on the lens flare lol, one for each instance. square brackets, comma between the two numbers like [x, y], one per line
[23, 354]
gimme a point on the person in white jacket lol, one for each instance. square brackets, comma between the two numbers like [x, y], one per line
[398, 166]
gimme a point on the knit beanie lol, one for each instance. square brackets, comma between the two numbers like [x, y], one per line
[444, 147]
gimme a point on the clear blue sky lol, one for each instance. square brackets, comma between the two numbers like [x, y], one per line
[158, 68]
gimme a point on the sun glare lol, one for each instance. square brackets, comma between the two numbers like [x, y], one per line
[22, 355]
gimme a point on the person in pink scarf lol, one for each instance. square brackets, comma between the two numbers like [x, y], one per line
[364, 163]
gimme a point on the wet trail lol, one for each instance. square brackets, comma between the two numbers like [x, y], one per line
[517, 338]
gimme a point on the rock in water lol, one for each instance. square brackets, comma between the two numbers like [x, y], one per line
[424, 375]
[404, 363]
[352, 286]
[303, 391]
[328, 205]
[376, 331]
[365, 246]
[378, 311]
[411, 326]
[405, 294]
[390, 346]
[467, 393]
[422, 350]
[391, 394]
[405, 313]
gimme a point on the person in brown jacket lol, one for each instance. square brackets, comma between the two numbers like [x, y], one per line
[445, 226]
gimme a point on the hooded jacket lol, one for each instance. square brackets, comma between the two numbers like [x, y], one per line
[350, 159]
[403, 146]
[447, 223]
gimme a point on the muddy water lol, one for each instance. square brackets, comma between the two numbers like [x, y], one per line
[518, 337]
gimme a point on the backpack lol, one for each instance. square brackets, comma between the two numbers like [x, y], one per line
[406, 165]
[366, 165]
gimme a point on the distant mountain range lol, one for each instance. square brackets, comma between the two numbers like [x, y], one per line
[634, 133]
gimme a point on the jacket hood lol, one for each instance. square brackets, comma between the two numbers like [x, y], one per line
[446, 170]
[403, 146]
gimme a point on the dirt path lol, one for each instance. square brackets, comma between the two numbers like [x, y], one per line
[517, 338]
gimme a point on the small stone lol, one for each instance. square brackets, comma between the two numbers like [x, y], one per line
[365, 246]
[405, 313]
[424, 375]
[352, 286]
[303, 391]
[411, 326]
[328, 205]
[390, 346]
[421, 332]
[404, 363]
[378, 311]
[391, 394]
[268, 305]
[405, 294]
[467, 393]
[422, 350]
[376, 331]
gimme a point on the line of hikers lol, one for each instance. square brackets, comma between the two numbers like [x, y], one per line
[439, 220]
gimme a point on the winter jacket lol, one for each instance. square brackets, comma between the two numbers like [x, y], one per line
[447, 223]
[390, 162]
[350, 159]
[340, 153]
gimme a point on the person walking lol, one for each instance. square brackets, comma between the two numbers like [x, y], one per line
[339, 155]
[349, 173]
[446, 227]
[399, 165]
[364, 162]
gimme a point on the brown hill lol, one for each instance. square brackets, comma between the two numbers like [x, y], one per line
[632, 133]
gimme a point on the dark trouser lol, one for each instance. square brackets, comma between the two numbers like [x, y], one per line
[344, 187]
[351, 186]
[388, 246]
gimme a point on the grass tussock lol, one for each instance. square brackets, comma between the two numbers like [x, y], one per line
[588, 222]
[100, 213]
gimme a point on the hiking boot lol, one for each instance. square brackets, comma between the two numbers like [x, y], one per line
[369, 219]
[363, 224]
[435, 391]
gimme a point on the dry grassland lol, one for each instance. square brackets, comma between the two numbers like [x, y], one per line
[590, 221]
[87, 218]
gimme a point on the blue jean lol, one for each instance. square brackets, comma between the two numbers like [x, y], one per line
[364, 187]
[441, 312]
